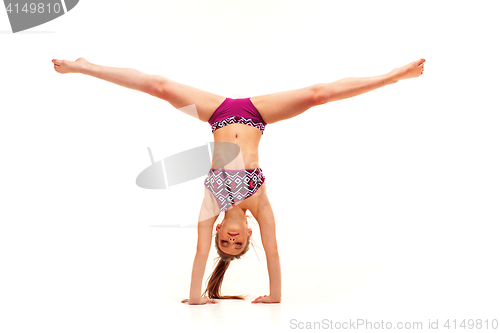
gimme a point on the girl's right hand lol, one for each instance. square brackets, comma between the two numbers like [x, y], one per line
[203, 300]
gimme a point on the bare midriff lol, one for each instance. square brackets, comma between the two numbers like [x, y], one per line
[247, 138]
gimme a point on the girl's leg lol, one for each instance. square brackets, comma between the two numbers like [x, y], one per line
[288, 104]
[193, 101]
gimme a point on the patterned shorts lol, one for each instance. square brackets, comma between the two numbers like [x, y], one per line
[232, 186]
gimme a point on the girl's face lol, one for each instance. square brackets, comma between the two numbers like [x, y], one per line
[233, 235]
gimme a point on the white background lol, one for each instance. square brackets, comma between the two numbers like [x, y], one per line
[386, 204]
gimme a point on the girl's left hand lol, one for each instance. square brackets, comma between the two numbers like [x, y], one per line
[264, 299]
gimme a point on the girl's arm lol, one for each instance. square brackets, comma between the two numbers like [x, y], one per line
[265, 217]
[208, 215]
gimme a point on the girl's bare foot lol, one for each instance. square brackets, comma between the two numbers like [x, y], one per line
[413, 69]
[67, 66]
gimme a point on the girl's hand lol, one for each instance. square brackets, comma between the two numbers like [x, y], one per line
[203, 300]
[265, 299]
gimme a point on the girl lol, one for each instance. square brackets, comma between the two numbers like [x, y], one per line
[234, 186]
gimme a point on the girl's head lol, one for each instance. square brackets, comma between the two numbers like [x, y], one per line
[232, 236]
[232, 240]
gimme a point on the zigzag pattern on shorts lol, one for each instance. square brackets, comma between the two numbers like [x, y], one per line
[232, 186]
[240, 120]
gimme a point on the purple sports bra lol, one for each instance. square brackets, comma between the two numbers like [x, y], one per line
[232, 186]
[237, 111]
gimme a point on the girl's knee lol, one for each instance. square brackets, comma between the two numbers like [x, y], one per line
[319, 94]
[158, 86]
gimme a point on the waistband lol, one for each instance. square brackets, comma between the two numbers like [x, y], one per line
[236, 169]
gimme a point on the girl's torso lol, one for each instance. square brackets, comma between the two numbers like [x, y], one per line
[247, 138]
[237, 121]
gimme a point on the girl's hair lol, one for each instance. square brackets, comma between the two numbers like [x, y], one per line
[215, 280]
